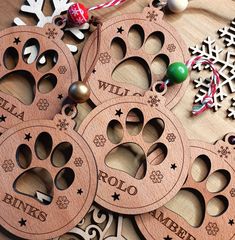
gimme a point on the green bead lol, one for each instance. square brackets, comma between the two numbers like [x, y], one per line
[177, 72]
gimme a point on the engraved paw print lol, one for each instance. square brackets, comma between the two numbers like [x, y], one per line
[49, 155]
[212, 229]
[144, 137]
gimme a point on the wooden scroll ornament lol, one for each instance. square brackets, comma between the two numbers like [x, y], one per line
[52, 150]
[116, 35]
[49, 71]
[118, 191]
[219, 159]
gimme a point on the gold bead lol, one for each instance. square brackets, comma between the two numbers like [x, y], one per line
[79, 92]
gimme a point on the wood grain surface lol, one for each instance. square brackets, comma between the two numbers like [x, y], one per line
[201, 19]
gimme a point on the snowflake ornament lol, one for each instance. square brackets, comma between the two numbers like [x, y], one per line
[225, 65]
[228, 34]
[231, 111]
[60, 6]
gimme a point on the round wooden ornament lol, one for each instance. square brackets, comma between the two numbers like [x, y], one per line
[128, 43]
[216, 223]
[49, 150]
[38, 58]
[147, 129]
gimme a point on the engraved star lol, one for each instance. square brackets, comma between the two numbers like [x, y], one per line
[27, 137]
[80, 191]
[120, 30]
[173, 166]
[3, 118]
[17, 41]
[167, 238]
[60, 96]
[231, 222]
[94, 71]
[119, 112]
[22, 222]
[116, 196]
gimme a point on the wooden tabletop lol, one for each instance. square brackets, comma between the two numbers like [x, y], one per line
[201, 19]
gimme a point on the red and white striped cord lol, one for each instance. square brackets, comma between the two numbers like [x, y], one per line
[208, 99]
[106, 5]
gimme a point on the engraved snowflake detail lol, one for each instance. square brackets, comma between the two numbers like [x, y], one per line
[232, 192]
[156, 176]
[212, 229]
[8, 165]
[224, 152]
[99, 140]
[43, 104]
[171, 137]
[62, 202]
[171, 47]
[228, 34]
[154, 101]
[62, 124]
[51, 33]
[231, 110]
[104, 58]
[78, 162]
[152, 16]
[62, 69]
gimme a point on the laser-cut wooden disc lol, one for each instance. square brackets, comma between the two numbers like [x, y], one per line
[25, 214]
[115, 31]
[220, 157]
[15, 42]
[117, 190]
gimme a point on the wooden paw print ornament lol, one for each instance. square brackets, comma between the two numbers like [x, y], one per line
[47, 72]
[148, 130]
[48, 178]
[217, 224]
[128, 43]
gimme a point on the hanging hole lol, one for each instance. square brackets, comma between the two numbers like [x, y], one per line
[62, 154]
[157, 154]
[64, 179]
[23, 156]
[218, 181]
[30, 51]
[201, 168]
[128, 158]
[134, 71]
[154, 43]
[190, 205]
[217, 206]
[136, 37]
[47, 61]
[20, 84]
[59, 21]
[43, 145]
[70, 111]
[11, 58]
[134, 121]
[231, 140]
[153, 130]
[160, 64]
[115, 132]
[42, 182]
[118, 48]
[160, 87]
[47, 83]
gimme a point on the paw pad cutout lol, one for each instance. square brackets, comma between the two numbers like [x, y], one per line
[57, 162]
[134, 154]
[36, 73]
[144, 49]
[212, 183]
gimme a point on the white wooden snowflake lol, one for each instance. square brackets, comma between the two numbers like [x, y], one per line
[231, 111]
[60, 6]
[228, 33]
[224, 64]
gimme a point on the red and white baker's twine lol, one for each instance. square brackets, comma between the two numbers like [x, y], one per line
[107, 4]
[208, 99]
